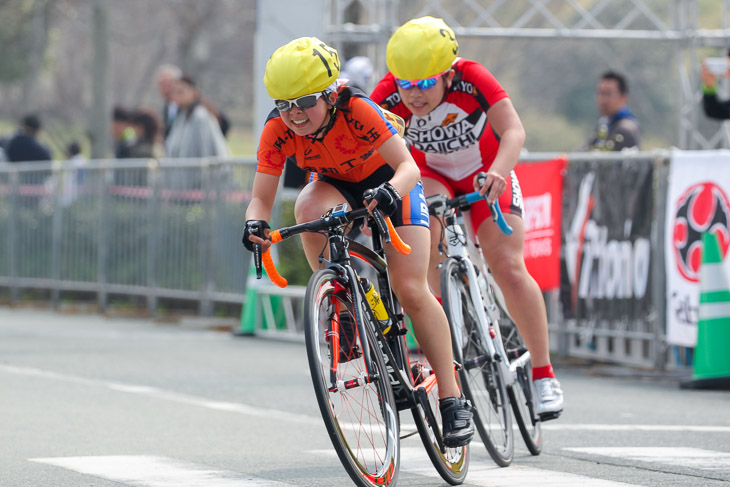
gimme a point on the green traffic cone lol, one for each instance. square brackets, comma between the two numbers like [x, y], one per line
[248, 313]
[712, 352]
[251, 317]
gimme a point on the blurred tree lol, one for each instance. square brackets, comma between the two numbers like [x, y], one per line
[99, 119]
[23, 42]
[14, 21]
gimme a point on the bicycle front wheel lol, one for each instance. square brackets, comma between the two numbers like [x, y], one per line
[357, 404]
[481, 376]
[522, 392]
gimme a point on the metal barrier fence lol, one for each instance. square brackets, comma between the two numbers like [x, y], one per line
[157, 229]
[171, 229]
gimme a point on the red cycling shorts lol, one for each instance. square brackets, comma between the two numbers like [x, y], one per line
[509, 202]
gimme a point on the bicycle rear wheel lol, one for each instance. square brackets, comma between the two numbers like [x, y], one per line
[451, 463]
[357, 405]
[481, 376]
[522, 392]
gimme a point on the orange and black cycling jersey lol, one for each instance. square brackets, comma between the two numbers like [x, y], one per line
[348, 151]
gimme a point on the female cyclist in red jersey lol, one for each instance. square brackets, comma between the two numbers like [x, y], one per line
[459, 122]
[351, 145]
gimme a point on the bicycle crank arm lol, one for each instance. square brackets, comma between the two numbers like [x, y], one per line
[520, 362]
[422, 399]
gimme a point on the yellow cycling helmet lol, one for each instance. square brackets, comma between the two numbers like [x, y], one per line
[302, 67]
[421, 48]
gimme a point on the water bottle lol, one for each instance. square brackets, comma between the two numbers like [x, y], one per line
[376, 304]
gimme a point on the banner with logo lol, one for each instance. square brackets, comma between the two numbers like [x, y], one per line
[606, 263]
[542, 191]
[697, 202]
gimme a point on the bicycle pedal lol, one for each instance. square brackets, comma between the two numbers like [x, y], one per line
[420, 372]
[549, 416]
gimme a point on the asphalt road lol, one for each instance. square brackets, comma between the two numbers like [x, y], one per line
[87, 400]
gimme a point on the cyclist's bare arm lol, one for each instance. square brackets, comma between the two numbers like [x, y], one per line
[407, 174]
[262, 200]
[505, 122]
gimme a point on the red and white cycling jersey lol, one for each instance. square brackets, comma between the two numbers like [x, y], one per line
[455, 139]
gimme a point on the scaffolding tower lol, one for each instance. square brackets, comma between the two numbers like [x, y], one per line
[369, 24]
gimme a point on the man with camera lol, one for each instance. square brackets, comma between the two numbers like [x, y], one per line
[712, 68]
[617, 128]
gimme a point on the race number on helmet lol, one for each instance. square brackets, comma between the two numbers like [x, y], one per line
[301, 67]
[421, 48]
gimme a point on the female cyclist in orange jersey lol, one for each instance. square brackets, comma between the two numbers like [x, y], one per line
[459, 122]
[350, 144]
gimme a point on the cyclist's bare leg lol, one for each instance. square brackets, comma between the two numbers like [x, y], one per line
[315, 199]
[431, 187]
[408, 278]
[504, 255]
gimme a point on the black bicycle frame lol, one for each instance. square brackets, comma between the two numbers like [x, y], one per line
[391, 346]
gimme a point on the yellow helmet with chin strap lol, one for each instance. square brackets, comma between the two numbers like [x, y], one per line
[421, 48]
[301, 67]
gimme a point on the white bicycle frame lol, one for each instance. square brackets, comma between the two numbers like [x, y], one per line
[490, 304]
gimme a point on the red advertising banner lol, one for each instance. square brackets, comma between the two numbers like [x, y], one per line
[542, 192]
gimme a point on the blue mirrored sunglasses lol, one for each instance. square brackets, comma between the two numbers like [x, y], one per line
[423, 84]
[303, 102]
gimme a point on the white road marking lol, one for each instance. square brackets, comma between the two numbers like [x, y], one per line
[157, 393]
[678, 456]
[149, 471]
[551, 426]
[239, 408]
[415, 460]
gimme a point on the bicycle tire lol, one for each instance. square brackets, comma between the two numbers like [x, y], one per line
[481, 376]
[362, 421]
[452, 464]
[522, 393]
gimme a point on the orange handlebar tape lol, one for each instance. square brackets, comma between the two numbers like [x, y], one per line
[271, 270]
[275, 236]
[395, 239]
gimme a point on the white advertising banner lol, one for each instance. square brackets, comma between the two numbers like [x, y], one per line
[697, 202]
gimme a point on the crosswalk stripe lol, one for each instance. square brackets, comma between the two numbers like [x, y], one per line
[677, 456]
[414, 460]
[151, 471]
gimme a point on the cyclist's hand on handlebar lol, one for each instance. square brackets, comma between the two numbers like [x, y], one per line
[256, 232]
[492, 182]
[385, 197]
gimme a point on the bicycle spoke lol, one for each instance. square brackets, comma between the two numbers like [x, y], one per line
[357, 405]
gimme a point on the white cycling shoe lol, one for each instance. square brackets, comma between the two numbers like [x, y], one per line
[549, 398]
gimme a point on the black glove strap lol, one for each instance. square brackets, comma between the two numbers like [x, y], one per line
[254, 227]
[387, 198]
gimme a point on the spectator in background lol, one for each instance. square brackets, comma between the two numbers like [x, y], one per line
[24, 146]
[166, 76]
[3, 145]
[618, 127]
[122, 132]
[73, 152]
[146, 128]
[358, 71]
[712, 105]
[72, 177]
[195, 132]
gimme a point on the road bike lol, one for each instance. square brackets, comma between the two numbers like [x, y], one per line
[362, 371]
[496, 367]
